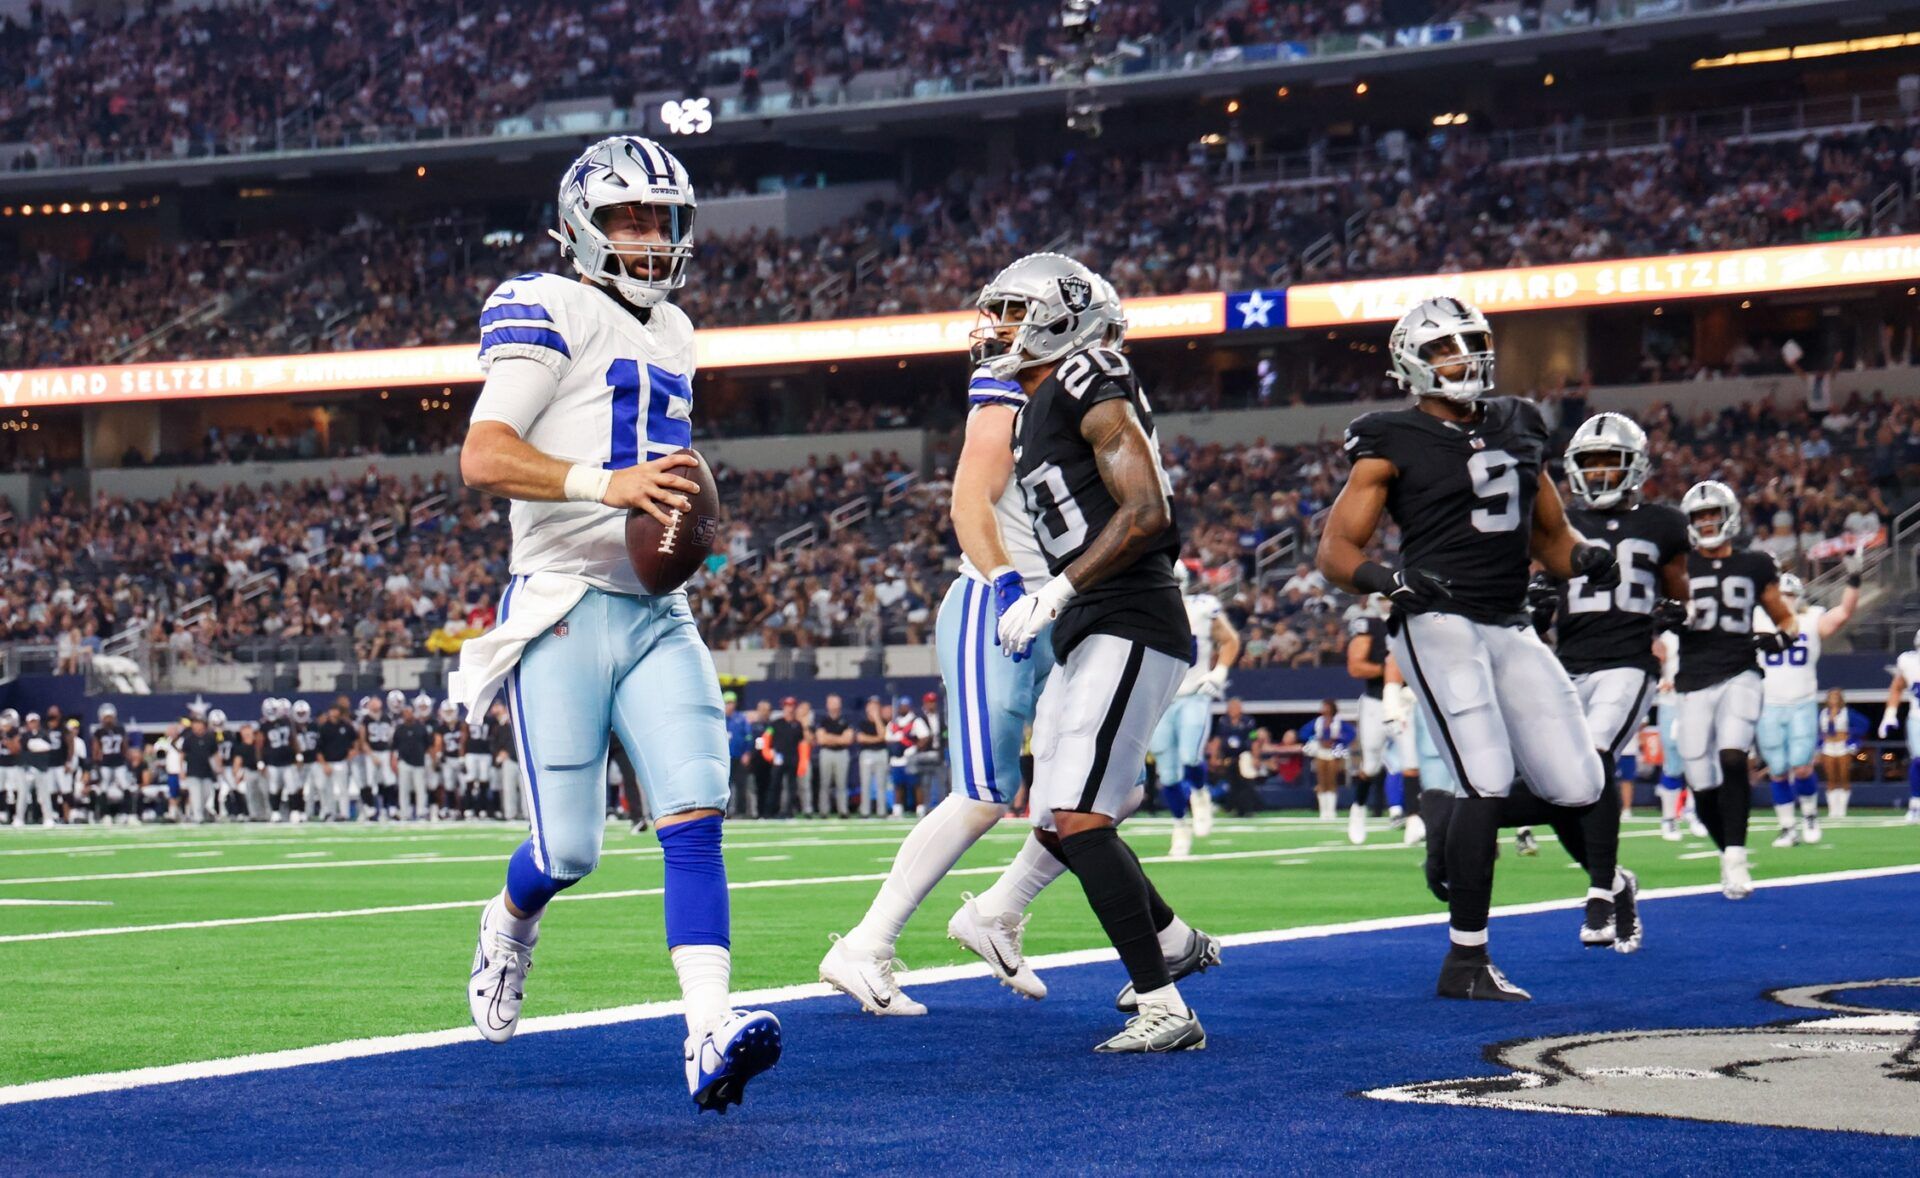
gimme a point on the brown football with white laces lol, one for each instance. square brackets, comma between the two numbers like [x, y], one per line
[664, 556]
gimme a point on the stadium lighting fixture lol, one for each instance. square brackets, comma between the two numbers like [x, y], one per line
[1809, 50]
[1360, 89]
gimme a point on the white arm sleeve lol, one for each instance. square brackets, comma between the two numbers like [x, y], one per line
[517, 389]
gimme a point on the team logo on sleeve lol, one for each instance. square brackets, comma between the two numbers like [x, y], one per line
[1855, 1068]
[1076, 293]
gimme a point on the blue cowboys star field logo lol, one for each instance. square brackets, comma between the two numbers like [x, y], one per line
[1255, 310]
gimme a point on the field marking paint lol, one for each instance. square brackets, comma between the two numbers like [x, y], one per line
[56, 903]
[621, 894]
[70, 1086]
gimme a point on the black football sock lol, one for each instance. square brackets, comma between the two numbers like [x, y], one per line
[1118, 892]
[1736, 798]
[1362, 790]
[1601, 827]
[1162, 911]
[1523, 807]
[1473, 839]
[1436, 810]
[1706, 803]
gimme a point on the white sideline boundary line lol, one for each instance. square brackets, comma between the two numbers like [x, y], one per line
[621, 894]
[103, 1082]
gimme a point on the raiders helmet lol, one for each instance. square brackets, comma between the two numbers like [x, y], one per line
[1607, 435]
[618, 171]
[1053, 305]
[302, 711]
[9, 719]
[449, 710]
[1421, 330]
[217, 719]
[396, 703]
[108, 713]
[1711, 496]
[423, 705]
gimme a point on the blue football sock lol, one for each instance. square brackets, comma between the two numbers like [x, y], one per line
[1396, 791]
[1174, 794]
[1913, 778]
[1782, 792]
[1669, 781]
[1807, 786]
[698, 908]
[529, 887]
[1195, 778]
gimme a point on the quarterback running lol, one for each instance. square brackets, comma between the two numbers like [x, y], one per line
[588, 399]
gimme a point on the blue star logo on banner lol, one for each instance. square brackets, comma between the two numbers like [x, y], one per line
[1256, 309]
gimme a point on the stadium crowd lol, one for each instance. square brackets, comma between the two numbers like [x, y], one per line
[1154, 223]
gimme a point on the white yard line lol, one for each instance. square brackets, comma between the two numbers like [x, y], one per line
[622, 894]
[56, 903]
[392, 1044]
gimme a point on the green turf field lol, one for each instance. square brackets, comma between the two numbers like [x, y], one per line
[136, 996]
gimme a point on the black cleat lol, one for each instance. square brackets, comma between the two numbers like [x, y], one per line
[1598, 931]
[1477, 979]
[1628, 930]
[1203, 953]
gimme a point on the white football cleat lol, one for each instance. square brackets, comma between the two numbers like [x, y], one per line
[996, 941]
[867, 979]
[1356, 824]
[1414, 833]
[497, 986]
[1182, 840]
[1202, 803]
[1810, 831]
[1789, 836]
[720, 1062]
[1736, 882]
[1670, 830]
[1698, 827]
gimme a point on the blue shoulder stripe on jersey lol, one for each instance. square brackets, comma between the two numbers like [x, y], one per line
[527, 277]
[996, 399]
[501, 311]
[542, 336]
[988, 382]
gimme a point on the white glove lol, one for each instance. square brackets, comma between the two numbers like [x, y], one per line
[1213, 684]
[1889, 722]
[1854, 563]
[1025, 618]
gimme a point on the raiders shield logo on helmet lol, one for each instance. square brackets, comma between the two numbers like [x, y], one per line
[1076, 293]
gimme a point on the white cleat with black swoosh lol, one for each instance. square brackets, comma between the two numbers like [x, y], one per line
[867, 978]
[996, 941]
[498, 983]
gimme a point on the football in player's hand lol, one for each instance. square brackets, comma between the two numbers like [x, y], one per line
[664, 556]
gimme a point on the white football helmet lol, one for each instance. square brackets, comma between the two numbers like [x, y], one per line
[1055, 306]
[9, 720]
[1794, 590]
[627, 170]
[108, 713]
[217, 719]
[1607, 435]
[422, 706]
[269, 707]
[1711, 496]
[396, 703]
[449, 710]
[1429, 324]
[302, 711]
[369, 705]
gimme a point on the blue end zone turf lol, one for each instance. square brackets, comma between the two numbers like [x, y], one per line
[989, 1084]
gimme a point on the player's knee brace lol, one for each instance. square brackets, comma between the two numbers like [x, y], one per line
[698, 911]
[528, 886]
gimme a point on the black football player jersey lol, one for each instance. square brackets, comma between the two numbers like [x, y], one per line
[280, 746]
[1374, 630]
[1603, 628]
[479, 733]
[1069, 505]
[1463, 496]
[1718, 641]
[306, 740]
[111, 739]
[379, 733]
[449, 739]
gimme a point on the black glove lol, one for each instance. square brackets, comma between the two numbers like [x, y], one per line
[1773, 642]
[1412, 591]
[1669, 614]
[1543, 600]
[1595, 562]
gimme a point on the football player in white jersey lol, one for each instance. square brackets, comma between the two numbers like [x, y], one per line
[1180, 739]
[1906, 685]
[588, 399]
[1789, 729]
[990, 704]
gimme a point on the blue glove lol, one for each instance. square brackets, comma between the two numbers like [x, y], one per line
[1008, 588]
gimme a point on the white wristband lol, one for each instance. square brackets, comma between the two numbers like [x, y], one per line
[585, 484]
